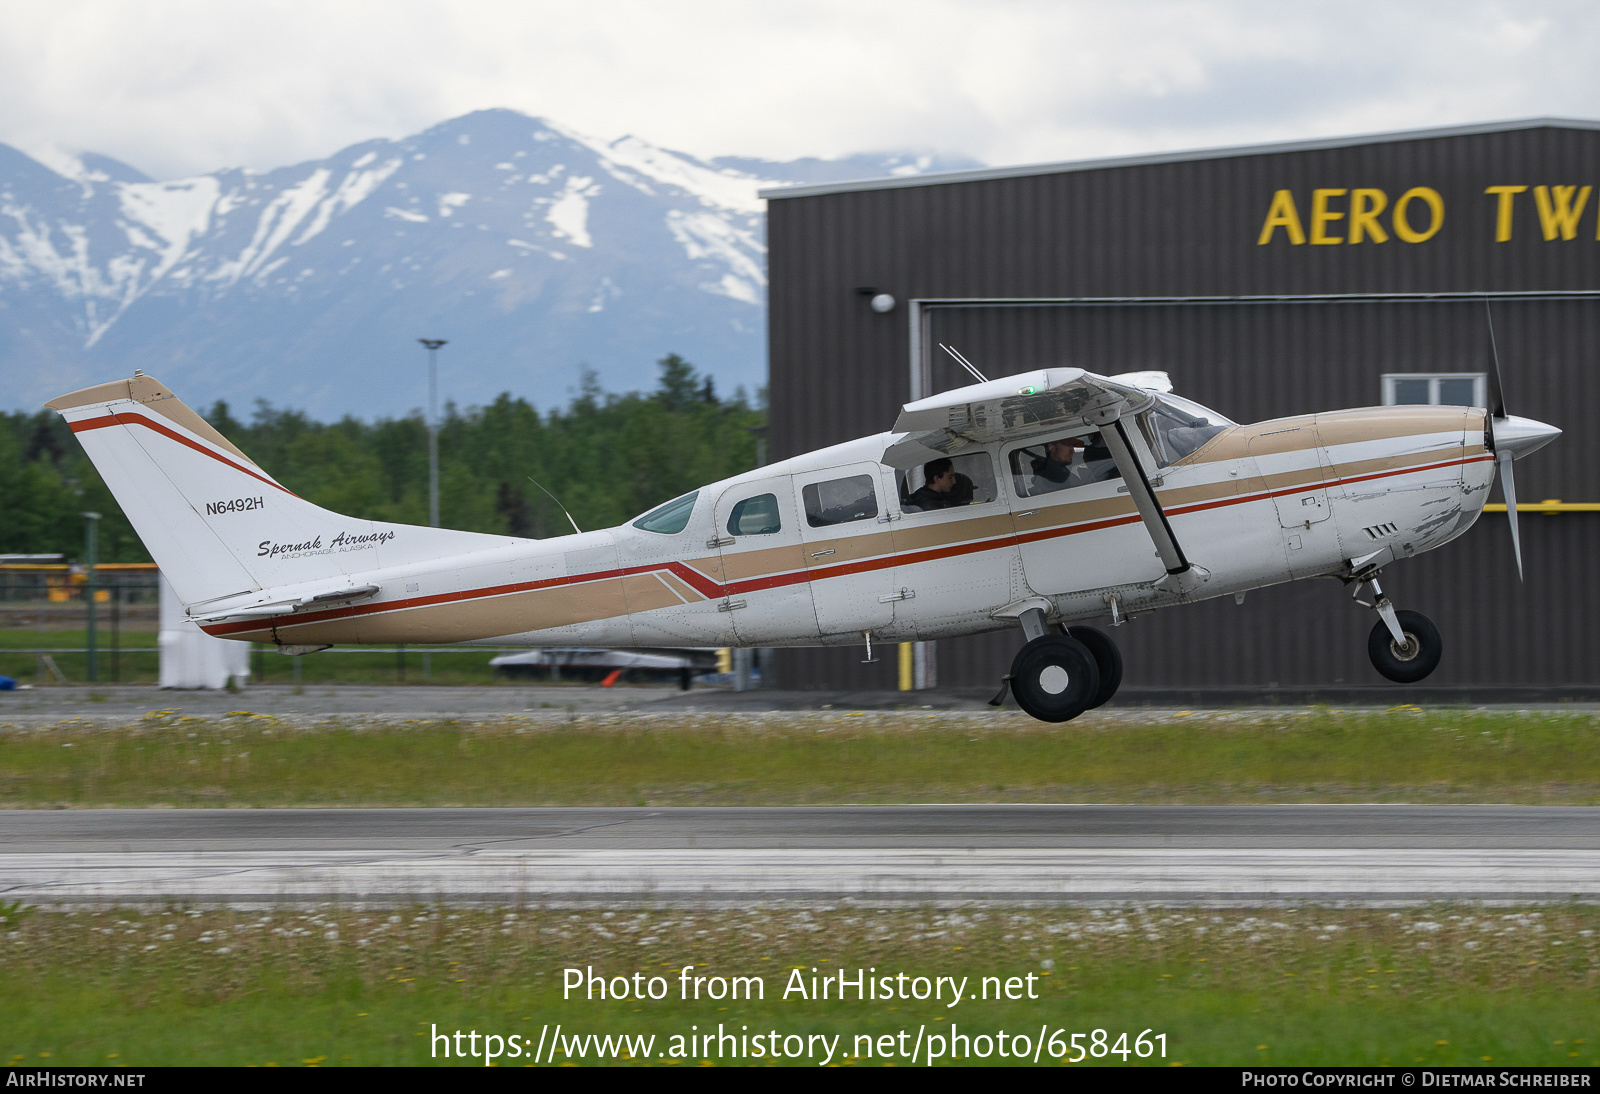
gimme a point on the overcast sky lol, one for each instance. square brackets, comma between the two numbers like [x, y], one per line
[178, 87]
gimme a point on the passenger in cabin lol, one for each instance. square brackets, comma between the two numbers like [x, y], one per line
[943, 487]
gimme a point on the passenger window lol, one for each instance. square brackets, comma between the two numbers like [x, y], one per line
[671, 518]
[756, 516]
[840, 501]
[1061, 463]
[928, 488]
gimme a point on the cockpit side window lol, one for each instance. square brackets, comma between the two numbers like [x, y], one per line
[1061, 463]
[840, 501]
[757, 516]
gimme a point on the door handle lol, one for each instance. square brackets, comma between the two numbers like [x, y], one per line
[713, 543]
[819, 554]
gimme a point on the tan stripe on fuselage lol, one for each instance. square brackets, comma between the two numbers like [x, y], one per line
[646, 593]
[1373, 423]
[1379, 423]
[682, 588]
[458, 621]
[849, 548]
[1235, 443]
[761, 562]
[920, 537]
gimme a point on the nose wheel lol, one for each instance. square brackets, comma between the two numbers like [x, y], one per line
[1404, 645]
[1411, 660]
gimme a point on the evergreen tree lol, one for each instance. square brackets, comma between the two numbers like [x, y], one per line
[608, 457]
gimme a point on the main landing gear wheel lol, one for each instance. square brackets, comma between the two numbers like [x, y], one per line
[1107, 658]
[1416, 659]
[1054, 678]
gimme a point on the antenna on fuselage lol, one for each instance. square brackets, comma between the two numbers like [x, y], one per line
[964, 363]
[557, 500]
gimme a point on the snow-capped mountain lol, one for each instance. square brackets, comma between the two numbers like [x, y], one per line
[533, 249]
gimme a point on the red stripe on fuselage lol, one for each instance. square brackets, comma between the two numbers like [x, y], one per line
[715, 590]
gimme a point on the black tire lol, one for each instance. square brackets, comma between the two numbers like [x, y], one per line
[1054, 678]
[1107, 658]
[1406, 666]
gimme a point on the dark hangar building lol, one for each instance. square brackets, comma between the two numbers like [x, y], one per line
[1267, 281]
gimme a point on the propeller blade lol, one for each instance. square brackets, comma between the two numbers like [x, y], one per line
[1508, 487]
[1497, 394]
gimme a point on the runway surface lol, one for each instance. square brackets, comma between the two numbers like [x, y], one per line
[1095, 854]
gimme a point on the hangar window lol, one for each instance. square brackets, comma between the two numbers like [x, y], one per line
[840, 501]
[974, 484]
[757, 516]
[671, 518]
[1436, 388]
[1046, 466]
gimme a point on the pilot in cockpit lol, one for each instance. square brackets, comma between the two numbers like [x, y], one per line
[1054, 470]
[1071, 461]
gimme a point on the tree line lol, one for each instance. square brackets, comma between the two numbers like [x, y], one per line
[607, 456]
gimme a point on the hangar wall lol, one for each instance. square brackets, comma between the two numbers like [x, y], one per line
[1036, 267]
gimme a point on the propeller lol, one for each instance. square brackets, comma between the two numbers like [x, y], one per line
[1510, 437]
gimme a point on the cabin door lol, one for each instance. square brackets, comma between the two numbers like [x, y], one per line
[849, 550]
[764, 572]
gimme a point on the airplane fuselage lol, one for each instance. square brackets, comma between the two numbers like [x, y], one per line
[761, 559]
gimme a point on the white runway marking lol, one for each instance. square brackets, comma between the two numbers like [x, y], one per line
[1210, 875]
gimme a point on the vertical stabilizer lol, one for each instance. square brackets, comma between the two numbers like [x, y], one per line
[214, 521]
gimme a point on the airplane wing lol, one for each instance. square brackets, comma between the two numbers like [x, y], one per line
[995, 410]
[1031, 402]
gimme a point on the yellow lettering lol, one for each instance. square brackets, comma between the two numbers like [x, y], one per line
[1435, 203]
[1365, 205]
[1560, 215]
[1320, 216]
[1282, 214]
[1502, 220]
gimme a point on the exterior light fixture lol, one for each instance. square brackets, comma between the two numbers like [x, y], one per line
[881, 302]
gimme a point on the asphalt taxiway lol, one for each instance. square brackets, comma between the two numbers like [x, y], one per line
[1372, 854]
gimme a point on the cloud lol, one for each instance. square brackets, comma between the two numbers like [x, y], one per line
[177, 87]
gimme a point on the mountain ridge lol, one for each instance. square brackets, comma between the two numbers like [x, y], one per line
[534, 249]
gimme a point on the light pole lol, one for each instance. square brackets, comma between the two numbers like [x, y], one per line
[433, 345]
[91, 545]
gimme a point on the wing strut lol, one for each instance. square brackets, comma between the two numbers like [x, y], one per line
[1144, 497]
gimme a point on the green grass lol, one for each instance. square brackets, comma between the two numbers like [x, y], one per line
[114, 667]
[1447, 985]
[1403, 755]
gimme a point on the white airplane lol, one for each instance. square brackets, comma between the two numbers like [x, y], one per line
[972, 515]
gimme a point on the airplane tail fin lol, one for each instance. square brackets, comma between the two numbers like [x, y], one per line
[216, 523]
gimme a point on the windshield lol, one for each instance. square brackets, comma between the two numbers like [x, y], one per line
[1195, 410]
[1175, 427]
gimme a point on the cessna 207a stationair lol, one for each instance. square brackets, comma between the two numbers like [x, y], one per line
[1157, 501]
